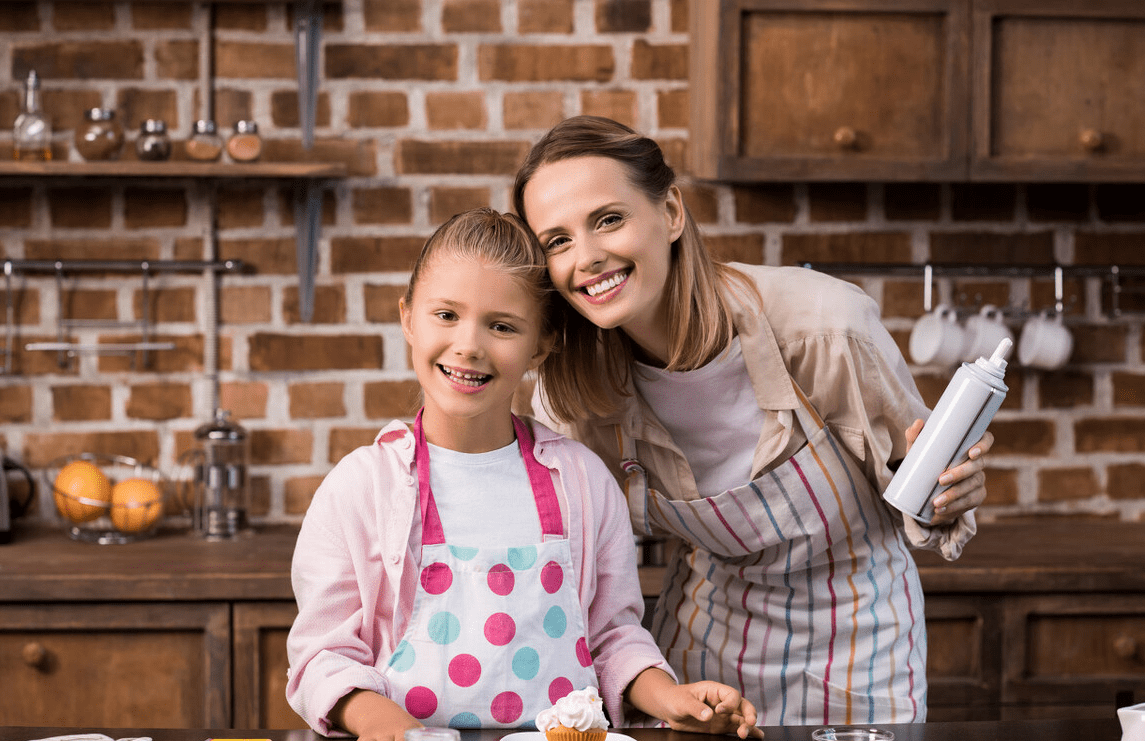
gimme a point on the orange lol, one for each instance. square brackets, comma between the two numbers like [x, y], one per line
[136, 504]
[81, 491]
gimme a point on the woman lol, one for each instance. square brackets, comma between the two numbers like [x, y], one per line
[754, 414]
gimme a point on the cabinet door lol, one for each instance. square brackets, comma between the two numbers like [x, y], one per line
[118, 666]
[260, 665]
[964, 666]
[829, 89]
[1058, 91]
[1082, 654]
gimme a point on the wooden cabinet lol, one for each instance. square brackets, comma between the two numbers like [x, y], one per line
[1058, 90]
[260, 665]
[964, 657]
[891, 90]
[153, 665]
[824, 89]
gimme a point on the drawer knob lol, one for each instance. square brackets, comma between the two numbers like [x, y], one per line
[1091, 140]
[1125, 647]
[35, 655]
[846, 138]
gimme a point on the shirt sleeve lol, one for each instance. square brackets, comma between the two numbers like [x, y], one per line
[859, 380]
[328, 655]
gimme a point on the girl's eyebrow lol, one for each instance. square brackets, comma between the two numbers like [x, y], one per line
[442, 301]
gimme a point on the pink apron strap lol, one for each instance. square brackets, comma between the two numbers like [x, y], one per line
[544, 493]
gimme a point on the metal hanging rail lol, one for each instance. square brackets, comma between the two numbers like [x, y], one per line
[60, 268]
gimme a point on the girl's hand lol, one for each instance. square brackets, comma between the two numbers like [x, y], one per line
[372, 717]
[968, 480]
[710, 707]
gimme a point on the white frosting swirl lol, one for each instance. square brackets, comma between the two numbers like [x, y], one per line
[579, 709]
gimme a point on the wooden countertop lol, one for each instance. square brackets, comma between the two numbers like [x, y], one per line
[45, 565]
[1035, 730]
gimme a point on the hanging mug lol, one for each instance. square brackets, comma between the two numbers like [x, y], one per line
[1046, 342]
[984, 332]
[937, 338]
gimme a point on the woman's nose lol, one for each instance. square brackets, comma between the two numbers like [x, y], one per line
[589, 255]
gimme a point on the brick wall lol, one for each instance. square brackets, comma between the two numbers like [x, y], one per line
[433, 103]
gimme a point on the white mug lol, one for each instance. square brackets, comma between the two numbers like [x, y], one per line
[1045, 343]
[1132, 722]
[937, 338]
[984, 332]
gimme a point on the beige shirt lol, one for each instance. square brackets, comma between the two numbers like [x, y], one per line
[827, 335]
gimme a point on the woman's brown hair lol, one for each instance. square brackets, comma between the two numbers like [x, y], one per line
[699, 317]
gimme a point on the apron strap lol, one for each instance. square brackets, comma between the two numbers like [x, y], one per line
[540, 479]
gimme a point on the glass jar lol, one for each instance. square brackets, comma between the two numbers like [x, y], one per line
[245, 144]
[32, 131]
[205, 143]
[100, 137]
[153, 143]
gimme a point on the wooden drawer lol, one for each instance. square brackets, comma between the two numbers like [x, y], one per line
[964, 657]
[123, 665]
[1078, 650]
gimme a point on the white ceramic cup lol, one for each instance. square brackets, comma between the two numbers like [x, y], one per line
[937, 337]
[984, 331]
[1045, 343]
[1132, 722]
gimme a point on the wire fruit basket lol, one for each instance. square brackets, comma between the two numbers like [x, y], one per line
[107, 499]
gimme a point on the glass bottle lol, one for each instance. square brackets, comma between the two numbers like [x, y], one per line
[245, 144]
[223, 491]
[205, 143]
[153, 143]
[32, 132]
[101, 136]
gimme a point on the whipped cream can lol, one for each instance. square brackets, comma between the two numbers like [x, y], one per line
[958, 421]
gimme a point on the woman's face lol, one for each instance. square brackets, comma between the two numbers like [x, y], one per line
[608, 245]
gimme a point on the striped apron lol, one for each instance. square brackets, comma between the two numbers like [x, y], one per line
[797, 588]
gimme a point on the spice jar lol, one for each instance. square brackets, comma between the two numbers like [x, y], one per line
[205, 143]
[153, 143]
[245, 145]
[100, 137]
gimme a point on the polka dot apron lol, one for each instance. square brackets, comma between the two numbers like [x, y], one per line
[496, 634]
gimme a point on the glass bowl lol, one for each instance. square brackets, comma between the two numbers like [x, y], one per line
[136, 499]
[852, 733]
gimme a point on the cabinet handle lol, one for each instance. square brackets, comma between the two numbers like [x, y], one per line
[1091, 140]
[1125, 647]
[35, 655]
[846, 138]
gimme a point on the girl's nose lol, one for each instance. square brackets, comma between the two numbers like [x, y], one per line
[467, 342]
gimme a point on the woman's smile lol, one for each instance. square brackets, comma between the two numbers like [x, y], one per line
[601, 290]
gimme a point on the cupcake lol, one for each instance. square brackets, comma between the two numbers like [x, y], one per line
[578, 716]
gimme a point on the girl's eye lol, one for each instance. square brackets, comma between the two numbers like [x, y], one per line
[445, 316]
[503, 328]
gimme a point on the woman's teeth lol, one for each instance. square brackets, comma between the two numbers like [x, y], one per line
[605, 285]
[466, 379]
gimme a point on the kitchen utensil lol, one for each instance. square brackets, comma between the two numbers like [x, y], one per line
[10, 507]
[1046, 342]
[937, 338]
[1132, 722]
[984, 331]
[222, 494]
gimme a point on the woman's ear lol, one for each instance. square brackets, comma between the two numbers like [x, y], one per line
[674, 210]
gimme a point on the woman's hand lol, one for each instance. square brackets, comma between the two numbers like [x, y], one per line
[967, 481]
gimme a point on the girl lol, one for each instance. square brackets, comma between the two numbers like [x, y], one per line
[474, 569]
[754, 415]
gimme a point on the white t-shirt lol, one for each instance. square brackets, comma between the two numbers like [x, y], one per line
[484, 499]
[712, 415]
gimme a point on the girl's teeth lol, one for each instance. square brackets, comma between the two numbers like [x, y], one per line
[466, 379]
[605, 285]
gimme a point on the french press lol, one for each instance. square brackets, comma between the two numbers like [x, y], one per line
[222, 494]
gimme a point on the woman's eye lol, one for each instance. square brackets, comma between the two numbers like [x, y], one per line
[609, 220]
[556, 244]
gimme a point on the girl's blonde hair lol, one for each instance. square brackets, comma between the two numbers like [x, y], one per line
[590, 366]
[502, 241]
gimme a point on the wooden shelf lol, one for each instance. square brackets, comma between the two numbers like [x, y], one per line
[174, 169]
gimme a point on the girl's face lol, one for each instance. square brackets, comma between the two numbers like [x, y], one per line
[473, 331]
[608, 245]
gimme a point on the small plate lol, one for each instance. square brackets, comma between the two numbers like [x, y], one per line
[540, 736]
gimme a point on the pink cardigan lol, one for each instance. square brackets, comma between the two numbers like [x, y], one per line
[355, 571]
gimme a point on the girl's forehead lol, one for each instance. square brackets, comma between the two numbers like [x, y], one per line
[448, 268]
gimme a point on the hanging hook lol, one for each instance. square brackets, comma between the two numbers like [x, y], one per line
[927, 293]
[1059, 291]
